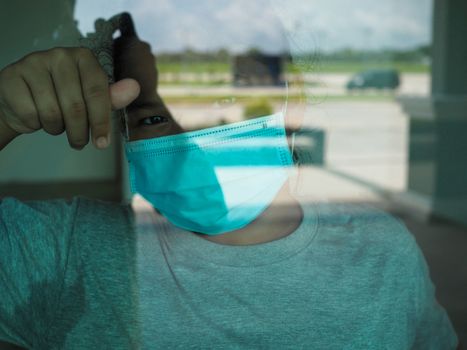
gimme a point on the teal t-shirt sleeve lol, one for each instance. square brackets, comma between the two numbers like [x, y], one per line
[35, 237]
[433, 327]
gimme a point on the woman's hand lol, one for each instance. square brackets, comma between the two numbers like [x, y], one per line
[62, 89]
[148, 114]
[133, 59]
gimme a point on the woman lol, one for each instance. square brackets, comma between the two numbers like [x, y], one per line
[225, 261]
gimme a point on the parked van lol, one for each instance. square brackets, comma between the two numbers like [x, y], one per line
[376, 79]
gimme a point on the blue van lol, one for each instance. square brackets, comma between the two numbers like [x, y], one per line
[375, 79]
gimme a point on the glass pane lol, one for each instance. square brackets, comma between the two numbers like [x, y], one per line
[294, 174]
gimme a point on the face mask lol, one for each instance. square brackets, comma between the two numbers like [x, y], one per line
[213, 180]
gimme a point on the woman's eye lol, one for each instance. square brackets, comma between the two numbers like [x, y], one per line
[156, 119]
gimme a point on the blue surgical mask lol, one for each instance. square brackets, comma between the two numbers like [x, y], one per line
[214, 180]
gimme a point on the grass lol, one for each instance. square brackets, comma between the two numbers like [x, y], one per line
[197, 67]
[204, 99]
[318, 67]
[260, 106]
[183, 83]
[355, 67]
[316, 99]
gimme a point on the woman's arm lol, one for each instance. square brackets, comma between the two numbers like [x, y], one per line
[6, 136]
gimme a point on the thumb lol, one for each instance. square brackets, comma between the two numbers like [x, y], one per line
[123, 92]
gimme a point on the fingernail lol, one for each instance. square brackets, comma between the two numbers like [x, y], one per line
[102, 142]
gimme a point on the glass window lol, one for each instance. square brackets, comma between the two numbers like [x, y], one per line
[293, 174]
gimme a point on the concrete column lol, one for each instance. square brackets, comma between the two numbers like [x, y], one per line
[437, 177]
[449, 71]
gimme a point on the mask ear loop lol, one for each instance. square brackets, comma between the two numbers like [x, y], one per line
[123, 116]
[284, 109]
[125, 24]
[297, 165]
[293, 147]
[295, 157]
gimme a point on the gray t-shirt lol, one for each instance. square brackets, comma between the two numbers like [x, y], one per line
[90, 274]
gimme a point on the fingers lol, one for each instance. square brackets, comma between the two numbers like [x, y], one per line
[45, 99]
[97, 97]
[19, 113]
[123, 92]
[83, 96]
[62, 89]
[67, 82]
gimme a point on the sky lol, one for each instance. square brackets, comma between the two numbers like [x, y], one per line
[270, 25]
